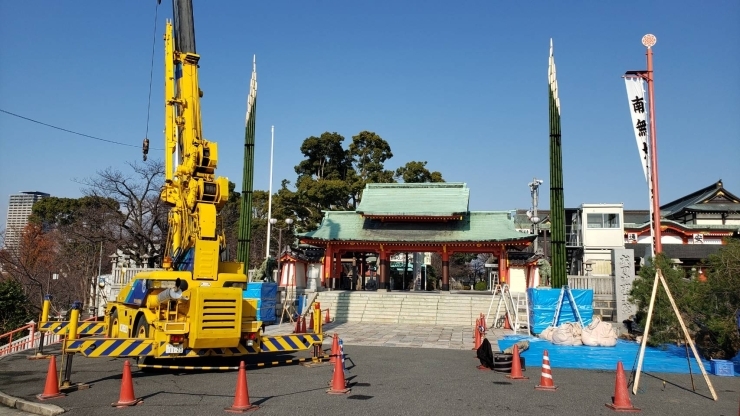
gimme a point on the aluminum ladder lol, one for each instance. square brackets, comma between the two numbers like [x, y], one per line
[563, 291]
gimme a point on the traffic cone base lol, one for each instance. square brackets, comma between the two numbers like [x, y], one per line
[241, 397]
[338, 383]
[38, 356]
[483, 368]
[516, 366]
[126, 398]
[621, 399]
[546, 388]
[51, 388]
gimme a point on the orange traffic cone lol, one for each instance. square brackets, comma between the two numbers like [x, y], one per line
[483, 323]
[516, 366]
[303, 324]
[334, 349]
[621, 400]
[51, 389]
[546, 377]
[297, 329]
[310, 324]
[126, 397]
[507, 324]
[477, 335]
[338, 383]
[241, 397]
[327, 320]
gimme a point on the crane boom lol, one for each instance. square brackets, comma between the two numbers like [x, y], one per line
[191, 186]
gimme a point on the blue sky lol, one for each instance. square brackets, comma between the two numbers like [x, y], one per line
[461, 85]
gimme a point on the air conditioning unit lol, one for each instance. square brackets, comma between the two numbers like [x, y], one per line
[632, 236]
[698, 238]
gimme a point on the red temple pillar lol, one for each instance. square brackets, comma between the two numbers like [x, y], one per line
[328, 264]
[503, 266]
[445, 270]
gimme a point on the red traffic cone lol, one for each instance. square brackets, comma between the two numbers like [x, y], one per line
[297, 329]
[516, 366]
[334, 349]
[311, 322]
[338, 383]
[126, 397]
[303, 324]
[327, 320]
[477, 335]
[621, 400]
[241, 397]
[546, 377]
[51, 389]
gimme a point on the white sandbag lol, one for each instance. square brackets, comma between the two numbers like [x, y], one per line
[599, 334]
[567, 334]
[547, 333]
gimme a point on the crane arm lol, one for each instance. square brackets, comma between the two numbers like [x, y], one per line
[191, 186]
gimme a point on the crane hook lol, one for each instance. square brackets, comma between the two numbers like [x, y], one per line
[145, 148]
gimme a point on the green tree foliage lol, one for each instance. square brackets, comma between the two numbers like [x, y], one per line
[368, 153]
[14, 306]
[664, 326]
[332, 178]
[715, 303]
[416, 172]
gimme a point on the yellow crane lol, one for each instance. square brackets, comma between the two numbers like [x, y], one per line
[194, 306]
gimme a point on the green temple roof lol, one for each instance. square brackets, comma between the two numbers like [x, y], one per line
[414, 199]
[482, 226]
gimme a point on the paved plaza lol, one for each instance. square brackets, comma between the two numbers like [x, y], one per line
[400, 335]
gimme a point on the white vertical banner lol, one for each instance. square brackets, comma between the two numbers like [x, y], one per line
[638, 111]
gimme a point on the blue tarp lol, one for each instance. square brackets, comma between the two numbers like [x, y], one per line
[667, 359]
[266, 295]
[543, 303]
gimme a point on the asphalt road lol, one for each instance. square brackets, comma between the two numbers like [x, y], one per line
[385, 381]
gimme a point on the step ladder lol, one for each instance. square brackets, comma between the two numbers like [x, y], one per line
[558, 306]
[517, 310]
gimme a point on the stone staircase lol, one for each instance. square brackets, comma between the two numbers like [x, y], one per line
[412, 308]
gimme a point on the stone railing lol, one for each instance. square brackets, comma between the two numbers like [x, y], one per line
[603, 286]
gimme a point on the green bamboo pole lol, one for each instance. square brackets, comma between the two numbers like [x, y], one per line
[245, 212]
[557, 200]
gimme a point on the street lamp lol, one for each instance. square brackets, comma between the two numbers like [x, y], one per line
[534, 188]
[274, 221]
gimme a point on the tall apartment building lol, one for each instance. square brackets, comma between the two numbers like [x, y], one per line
[19, 209]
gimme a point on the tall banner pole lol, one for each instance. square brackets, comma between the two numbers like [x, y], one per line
[269, 196]
[559, 277]
[649, 41]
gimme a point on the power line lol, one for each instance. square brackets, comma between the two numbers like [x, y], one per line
[68, 131]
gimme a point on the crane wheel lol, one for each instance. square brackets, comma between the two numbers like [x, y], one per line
[142, 328]
[113, 330]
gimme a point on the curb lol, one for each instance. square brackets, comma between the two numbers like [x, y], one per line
[30, 407]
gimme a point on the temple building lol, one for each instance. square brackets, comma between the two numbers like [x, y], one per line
[411, 218]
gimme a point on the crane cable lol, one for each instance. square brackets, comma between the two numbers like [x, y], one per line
[63, 129]
[145, 144]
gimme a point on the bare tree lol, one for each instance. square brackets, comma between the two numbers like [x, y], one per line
[142, 225]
